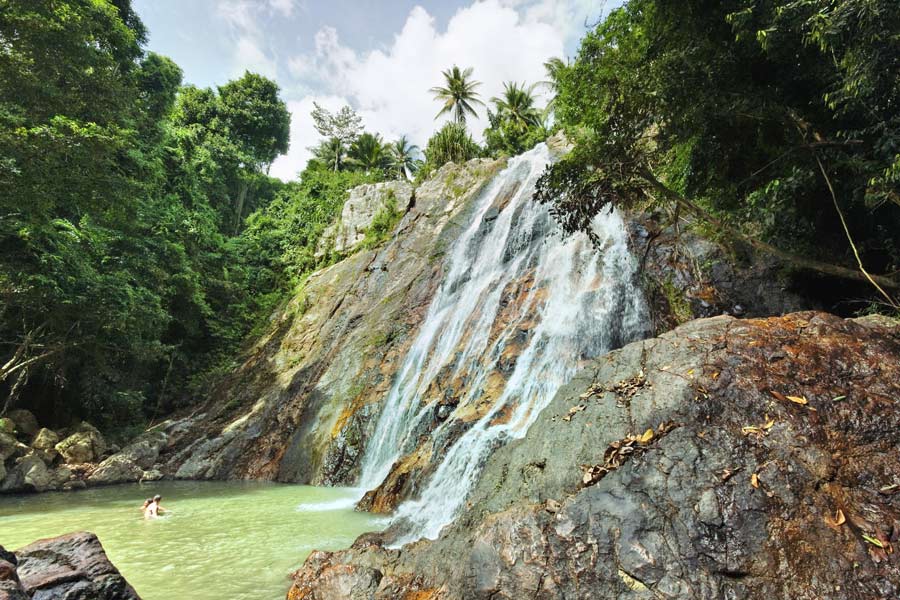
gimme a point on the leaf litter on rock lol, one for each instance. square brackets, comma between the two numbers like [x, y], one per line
[618, 452]
[837, 520]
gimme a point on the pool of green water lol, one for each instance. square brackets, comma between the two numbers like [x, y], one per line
[235, 540]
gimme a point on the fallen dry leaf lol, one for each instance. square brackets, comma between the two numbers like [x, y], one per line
[798, 400]
[648, 435]
[778, 395]
[889, 489]
[838, 519]
[754, 480]
[574, 410]
[729, 473]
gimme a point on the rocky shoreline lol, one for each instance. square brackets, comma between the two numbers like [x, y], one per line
[38, 459]
[68, 567]
[728, 458]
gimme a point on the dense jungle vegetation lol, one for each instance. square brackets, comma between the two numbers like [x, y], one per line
[774, 123]
[142, 240]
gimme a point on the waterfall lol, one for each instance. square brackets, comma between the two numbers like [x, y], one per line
[570, 303]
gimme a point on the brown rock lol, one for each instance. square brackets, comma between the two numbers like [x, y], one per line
[71, 566]
[682, 518]
[26, 423]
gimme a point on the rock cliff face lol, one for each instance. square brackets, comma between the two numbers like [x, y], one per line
[301, 406]
[359, 211]
[725, 459]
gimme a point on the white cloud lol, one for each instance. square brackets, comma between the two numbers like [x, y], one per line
[248, 56]
[502, 40]
[285, 7]
[249, 53]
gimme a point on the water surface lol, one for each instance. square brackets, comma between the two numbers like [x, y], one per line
[235, 540]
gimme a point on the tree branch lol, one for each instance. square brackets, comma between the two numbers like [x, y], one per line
[796, 260]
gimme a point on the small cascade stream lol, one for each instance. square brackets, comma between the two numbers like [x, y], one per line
[513, 287]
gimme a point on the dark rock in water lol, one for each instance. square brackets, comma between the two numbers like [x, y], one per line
[698, 468]
[71, 567]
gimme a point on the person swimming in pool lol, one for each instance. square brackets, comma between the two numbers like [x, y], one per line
[153, 509]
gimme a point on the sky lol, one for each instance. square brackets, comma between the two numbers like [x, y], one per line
[379, 56]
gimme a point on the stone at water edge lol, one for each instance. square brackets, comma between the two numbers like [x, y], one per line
[71, 566]
[7, 426]
[10, 586]
[736, 499]
[44, 444]
[9, 445]
[131, 462]
[45, 439]
[36, 473]
[26, 422]
[84, 446]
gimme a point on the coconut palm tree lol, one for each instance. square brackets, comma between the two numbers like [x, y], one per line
[517, 106]
[331, 152]
[368, 153]
[459, 95]
[554, 69]
[402, 159]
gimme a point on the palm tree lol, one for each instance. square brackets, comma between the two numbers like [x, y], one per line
[330, 152]
[402, 158]
[458, 95]
[517, 106]
[368, 153]
[554, 69]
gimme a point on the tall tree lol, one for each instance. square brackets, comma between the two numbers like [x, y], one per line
[458, 95]
[517, 105]
[402, 158]
[517, 125]
[242, 129]
[343, 127]
[368, 153]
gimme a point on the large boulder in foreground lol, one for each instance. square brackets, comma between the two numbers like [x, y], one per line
[10, 586]
[728, 458]
[70, 567]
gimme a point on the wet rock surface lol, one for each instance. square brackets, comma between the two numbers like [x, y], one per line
[725, 459]
[303, 403]
[69, 567]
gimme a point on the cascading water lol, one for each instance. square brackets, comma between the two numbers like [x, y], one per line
[572, 303]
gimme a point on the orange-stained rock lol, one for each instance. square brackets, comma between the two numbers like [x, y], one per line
[772, 471]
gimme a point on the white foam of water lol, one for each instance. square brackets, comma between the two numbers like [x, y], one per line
[581, 303]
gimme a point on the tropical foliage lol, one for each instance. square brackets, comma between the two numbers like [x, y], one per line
[403, 160]
[452, 143]
[126, 269]
[778, 123]
[516, 124]
[458, 96]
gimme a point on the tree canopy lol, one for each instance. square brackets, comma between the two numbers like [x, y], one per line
[776, 122]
